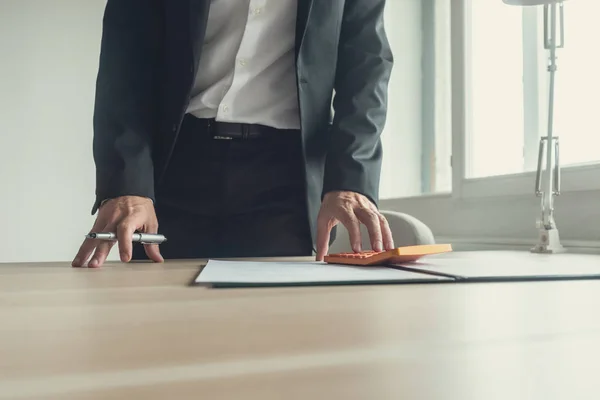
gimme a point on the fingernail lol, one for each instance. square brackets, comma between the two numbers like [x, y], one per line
[93, 263]
[75, 262]
[357, 248]
[378, 246]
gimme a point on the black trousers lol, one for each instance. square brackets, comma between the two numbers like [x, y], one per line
[239, 197]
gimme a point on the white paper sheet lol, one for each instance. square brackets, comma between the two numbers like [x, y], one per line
[253, 273]
[510, 265]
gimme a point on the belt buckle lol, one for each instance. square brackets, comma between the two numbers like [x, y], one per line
[216, 135]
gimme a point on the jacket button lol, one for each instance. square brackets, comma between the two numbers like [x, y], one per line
[174, 128]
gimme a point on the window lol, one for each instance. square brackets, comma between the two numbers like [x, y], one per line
[502, 97]
[488, 96]
[417, 138]
[496, 139]
[578, 85]
[508, 96]
[439, 50]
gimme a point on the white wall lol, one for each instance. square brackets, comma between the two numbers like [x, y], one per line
[49, 56]
[48, 69]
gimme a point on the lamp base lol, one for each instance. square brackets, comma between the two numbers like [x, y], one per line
[549, 242]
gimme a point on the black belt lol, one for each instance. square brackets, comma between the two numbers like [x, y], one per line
[233, 130]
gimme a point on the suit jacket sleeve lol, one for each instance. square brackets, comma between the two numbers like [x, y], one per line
[125, 111]
[363, 70]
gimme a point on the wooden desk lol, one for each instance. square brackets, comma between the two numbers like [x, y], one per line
[138, 332]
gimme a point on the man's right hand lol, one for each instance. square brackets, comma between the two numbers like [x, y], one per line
[123, 215]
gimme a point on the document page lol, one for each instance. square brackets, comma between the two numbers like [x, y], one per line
[268, 273]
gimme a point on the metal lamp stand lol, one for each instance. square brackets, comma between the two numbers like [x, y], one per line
[547, 182]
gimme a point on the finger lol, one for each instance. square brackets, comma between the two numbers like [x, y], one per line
[352, 224]
[152, 250]
[324, 226]
[386, 232]
[85, 250]
[371, 220]
[125, 231]
[100, 254]
[153, 253]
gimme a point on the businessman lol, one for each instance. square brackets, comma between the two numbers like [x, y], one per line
[216, 124]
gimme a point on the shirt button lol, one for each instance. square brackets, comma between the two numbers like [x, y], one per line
[257, 11]
[242, 62]
[225, 108]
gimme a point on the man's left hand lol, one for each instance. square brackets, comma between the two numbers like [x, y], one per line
[351, 209]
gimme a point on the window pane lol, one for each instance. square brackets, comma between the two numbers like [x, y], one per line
[401, 170]
[417, 136]
[578, 85]
[495, 142]
[441, 99]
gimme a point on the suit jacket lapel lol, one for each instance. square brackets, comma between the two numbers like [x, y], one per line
[304, 9]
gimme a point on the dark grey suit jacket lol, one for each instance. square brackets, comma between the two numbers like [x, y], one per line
[149, 56]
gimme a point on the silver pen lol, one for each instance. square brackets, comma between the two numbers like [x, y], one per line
[144, 238]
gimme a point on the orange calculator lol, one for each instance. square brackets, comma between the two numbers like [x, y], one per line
[395, 256]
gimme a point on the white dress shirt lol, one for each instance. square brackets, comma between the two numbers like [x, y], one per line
[247, 69]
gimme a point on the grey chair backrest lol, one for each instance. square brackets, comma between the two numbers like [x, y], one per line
[406, 231]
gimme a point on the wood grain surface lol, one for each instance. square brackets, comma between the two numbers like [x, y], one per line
[139, 331]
